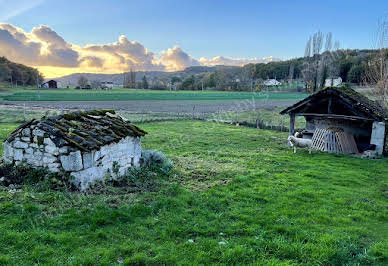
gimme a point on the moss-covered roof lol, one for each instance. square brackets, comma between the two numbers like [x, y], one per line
[359, 101]
[86, 131]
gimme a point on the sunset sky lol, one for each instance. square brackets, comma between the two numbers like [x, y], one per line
[69, 36]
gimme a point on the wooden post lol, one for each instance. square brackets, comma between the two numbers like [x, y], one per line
[258, 120]
[24, 112]
[292, 124]
[329, 106]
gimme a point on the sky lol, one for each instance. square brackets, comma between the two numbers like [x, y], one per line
[67, 36]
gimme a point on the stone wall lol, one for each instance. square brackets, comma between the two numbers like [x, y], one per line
[34, 147]
[109, 159]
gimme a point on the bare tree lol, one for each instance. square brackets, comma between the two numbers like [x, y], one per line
[376, 74]
[317, 43]
[83, 82]
[328, 44]
[307, 51]
[318, 65]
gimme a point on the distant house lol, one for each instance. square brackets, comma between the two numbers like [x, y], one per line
[51, 84]
[271, 82]
[333, 82]
[107, 84]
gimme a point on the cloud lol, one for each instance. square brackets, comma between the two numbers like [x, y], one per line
[41, 47]
[176, 59]
[124, 54]
[220, 60]
[12, 8]
[54, 56]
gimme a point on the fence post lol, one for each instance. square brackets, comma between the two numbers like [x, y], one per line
[24, 112]
[258, 120]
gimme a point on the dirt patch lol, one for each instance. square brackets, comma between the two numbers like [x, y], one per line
[167, 106]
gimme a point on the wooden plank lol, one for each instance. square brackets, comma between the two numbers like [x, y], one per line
[334, 116]
[292, 124]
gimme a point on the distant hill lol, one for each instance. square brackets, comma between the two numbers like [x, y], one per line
[152, 76]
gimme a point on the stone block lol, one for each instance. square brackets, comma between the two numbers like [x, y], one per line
[83, 179]
[18, 155]
[38, 132]
[63, 150]
[378, 134]
[8, 151]
[88, 159]
[49, 142]
[72, 162]
[20, 145]
[51, 149]
[47, 159]
[26, 132]
[38, 155]
[33, 145]
[29, 150]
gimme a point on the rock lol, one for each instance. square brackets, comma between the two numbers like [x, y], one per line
[88, 160]
[8, 150]
[48, 142]
[63, 150]
[29, 157]
[38, 132]
[54, 167]
[18, 155]
[51, 149]
[29, 150]
[48, 159]
[26, 139]
[369, 154]
[38, 153]
[20, 145]
[72, 162]
[26, 132]
[83, 179]
[33, 145]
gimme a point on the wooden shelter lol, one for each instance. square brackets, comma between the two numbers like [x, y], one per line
[346, 109]
[50, 84]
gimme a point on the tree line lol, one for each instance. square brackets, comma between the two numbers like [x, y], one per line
[313, 69]
[18, 74]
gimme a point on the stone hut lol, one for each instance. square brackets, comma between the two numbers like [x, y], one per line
[88, 145]
[344, 108]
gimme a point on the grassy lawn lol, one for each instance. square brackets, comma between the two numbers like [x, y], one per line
[120, 94]
[240, 196]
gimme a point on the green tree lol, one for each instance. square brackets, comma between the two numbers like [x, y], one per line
[82, 81]
[188, 83]
[144, 83]
[356, 73]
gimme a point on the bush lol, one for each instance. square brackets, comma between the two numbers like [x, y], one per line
[11, 175]
[154, 170]
[152, 158]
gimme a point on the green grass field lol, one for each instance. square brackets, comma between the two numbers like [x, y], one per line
[240, 196]
[119, 94]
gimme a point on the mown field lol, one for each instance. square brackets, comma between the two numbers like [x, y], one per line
[239, 196]
[120, 94]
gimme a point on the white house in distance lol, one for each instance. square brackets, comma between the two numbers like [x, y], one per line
[333, 82]
[271, 82]
[87, 145]
[107, 84]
